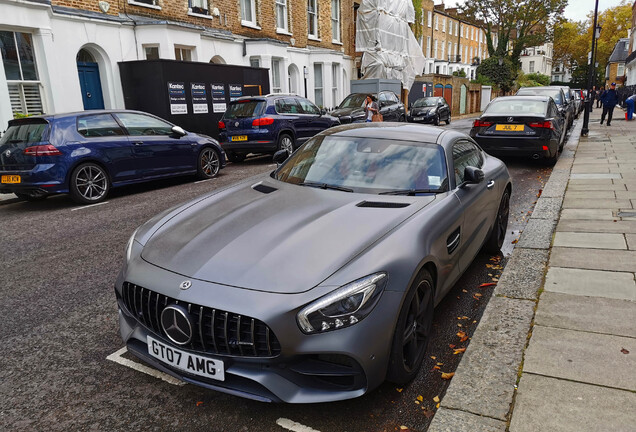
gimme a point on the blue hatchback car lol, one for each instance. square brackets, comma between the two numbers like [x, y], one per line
[86, 153]
[265, 124]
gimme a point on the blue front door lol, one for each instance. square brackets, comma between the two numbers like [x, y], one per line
[91, 85]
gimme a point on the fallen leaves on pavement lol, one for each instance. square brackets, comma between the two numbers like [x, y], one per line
[436, 399]
[624, 351]
[459, 351]
[487, 284]
[447, 376]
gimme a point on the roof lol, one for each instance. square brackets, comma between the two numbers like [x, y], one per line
[388, 130]
[621, 51]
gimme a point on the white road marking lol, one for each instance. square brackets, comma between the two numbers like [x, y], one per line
[90, 205]
[117, 358]
[293, 426]
[201, 181]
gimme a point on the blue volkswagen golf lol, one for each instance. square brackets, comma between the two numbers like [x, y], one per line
[86, 153]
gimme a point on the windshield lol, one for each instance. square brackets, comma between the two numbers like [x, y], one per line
[517, 107]
[355, 100]
[367, 165]
[425, 102]
[244, 109]
[555, 94]
[25, 133]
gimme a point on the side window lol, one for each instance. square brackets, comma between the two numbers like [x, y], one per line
[394, 98]
[281, 108]
[383, 99]
[465, 154]
[292, 106]
[308, 107]
[99, 125]
[140, 124]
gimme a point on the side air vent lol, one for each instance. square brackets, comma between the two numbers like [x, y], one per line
[380, 204]
[260, 187]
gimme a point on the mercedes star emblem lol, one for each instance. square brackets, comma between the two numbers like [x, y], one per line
[185, 285]
[7, 153]
[510, 119]
[176, 323]
[236, 124]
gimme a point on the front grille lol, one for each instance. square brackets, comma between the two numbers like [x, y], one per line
[215, 331]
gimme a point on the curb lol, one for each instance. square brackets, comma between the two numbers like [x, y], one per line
[482, 392]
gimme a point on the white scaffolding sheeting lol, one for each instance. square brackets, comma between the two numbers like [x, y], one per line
[389, 47]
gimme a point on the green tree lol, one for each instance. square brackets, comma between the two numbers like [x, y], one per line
[503, 76]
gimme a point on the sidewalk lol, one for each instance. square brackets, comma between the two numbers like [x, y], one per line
[556, 347]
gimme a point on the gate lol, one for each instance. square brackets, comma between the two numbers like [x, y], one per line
[448, 95]
[463, 94]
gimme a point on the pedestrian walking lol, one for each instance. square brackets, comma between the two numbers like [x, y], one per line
[630, 101]
[609, 99]
[599, 95]
[371, 108]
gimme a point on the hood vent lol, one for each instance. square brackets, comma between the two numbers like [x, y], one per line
[260, 187]
[381, 204]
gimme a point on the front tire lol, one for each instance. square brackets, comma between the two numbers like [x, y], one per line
[436, 121]
[499, 228]
[89, 184]
[413, 331]
[402, 119]
[448, 120]
[208, 164]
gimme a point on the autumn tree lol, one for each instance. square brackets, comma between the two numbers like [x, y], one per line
[525, 23]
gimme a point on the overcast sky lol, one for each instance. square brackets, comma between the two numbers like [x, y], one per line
[576, 10]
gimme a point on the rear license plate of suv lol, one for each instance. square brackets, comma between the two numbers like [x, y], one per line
[239, 138]
[11, 179]
[185, 361]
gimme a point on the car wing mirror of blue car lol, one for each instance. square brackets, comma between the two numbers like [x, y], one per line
[178, 130]
[472, 175]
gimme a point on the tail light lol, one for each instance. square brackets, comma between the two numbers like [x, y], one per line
[42, 150]
[263, 121]
[544, 124]
[221, 125]
[479, 123]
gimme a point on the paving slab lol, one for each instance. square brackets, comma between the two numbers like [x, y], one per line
[595, 176]
[626, 194]
[598, 203]
[449, 420]
[582, 182]
[590, 194]
[547, 208]
[577, 187]
[593, 259]
[485, 378]
[591, 358]
[548, 404]
[631, 240]
[537, 234]
[595, 283]
[523, 276]
[587, 214]
[591, 314]
[590, 240]
[600, 226]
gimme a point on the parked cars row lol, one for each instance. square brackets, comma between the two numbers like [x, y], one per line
[85, 154]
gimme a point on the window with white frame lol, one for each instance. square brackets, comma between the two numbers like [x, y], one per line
[428, 46]
[151, 52]
[531, 66]
[443, 50]
[276, 87]
[199, 7]
[255, 62]
[457, 28]
[318, 99]
[312, 18]
[148, 3]
[450, 50]
[435, 51]
[436, 22]
[335, 74]
[430, 18]
[620, 70]
[182, 53]
[335, 20]
[444, 24]
[282, 23]
[18, 58]
[248, 12]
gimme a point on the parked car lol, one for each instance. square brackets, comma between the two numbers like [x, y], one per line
[265, 124]
[521, 126]
[315, 282]
[351, 109]
[556, 93]
[579, 98]
[430, 110]
[86, 153]
[569, 97]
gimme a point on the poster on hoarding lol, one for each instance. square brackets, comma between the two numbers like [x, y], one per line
[236, 91]
[199, 98]
[177, 96]
[218, 98]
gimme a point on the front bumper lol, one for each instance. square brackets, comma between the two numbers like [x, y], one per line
[337, 365]
[425, 118]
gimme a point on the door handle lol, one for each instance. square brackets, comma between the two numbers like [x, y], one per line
[490, 184]
[453, 241]
[138, 143]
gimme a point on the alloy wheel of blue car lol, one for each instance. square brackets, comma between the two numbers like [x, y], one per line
[209, 163]
[89, 184]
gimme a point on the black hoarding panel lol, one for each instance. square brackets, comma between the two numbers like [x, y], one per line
[189, 94]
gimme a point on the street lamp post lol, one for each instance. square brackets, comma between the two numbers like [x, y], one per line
[596, 33]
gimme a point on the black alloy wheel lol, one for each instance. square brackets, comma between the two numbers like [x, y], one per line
[208, 164]
[89, 184]
[436, 120]
[413, 331]
[448, 120]
[499, 228]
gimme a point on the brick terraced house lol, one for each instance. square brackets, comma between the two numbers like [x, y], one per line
[56, 53]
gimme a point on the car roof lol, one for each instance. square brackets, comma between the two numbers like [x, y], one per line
[59, 116]
[389, 130]
[541, 88]
[542, 98]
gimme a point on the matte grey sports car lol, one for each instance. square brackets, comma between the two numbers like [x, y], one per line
[318, 281]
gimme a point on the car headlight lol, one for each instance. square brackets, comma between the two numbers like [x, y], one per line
[344, 307]
[129, 245]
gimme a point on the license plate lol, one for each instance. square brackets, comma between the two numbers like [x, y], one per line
[419, 118]
[239, 138]
[11, 179]
[509, 128]
[185, 361]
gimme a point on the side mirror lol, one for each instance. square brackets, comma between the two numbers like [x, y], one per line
[410, 105]
[473, 175]
[280, 156]
[178, 130]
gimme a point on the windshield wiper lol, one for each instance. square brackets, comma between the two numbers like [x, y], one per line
[325, 186]
[410, 191]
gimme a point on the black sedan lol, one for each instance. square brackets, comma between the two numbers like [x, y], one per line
[566, 109]
[316, 282]
[430, 110]
[527, 126]
[351, 109]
